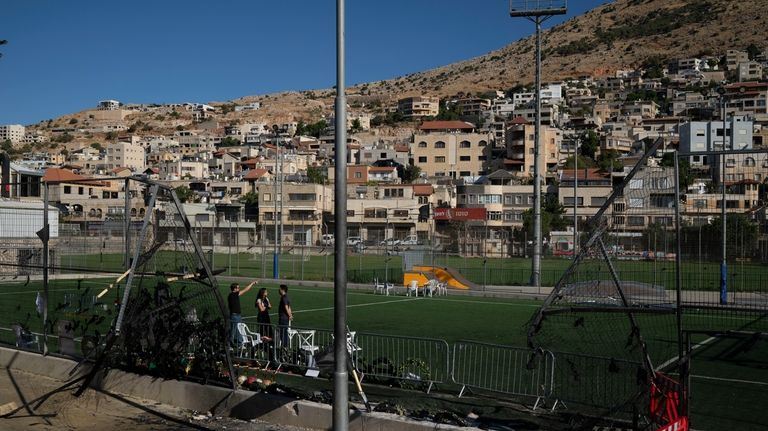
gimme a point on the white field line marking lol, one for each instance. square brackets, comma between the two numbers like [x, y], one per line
[720, 379]
[36, 290]
[311, 310]
[674, 359]
[432, 298]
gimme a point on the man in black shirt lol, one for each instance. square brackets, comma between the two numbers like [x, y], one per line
[234, 309]
[284, 315]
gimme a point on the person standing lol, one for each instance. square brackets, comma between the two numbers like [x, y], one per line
[262, 318]
[235, 315]
[284, 315]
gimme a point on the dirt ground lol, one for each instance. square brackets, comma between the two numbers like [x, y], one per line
[99, 411]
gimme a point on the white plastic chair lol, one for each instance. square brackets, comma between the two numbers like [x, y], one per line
[442, 288]
[306, 340]
[413, 288]
[249, 338]
[378, 287]
[430, 288]
[389, 287]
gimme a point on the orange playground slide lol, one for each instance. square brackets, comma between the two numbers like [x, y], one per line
[446, 275]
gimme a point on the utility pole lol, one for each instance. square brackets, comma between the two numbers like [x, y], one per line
[537, 12]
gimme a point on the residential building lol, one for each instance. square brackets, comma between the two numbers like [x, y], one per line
[505, 200]
[702, 136]
[593, 187]
[305, 206]
[473, 107]
[734, 57]
[749, 71]
[419, 107]
[520, 148]
[123, 154]
[450, 149]
[12, 132]
[108, 105]
[746, 98]
[376, 213]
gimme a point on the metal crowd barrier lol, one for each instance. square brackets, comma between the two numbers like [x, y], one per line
[504, 369]
[417, 363]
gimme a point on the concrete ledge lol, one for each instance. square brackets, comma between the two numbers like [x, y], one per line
[217, 400]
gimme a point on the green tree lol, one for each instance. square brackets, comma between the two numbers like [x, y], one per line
[7, 147]
[184, 193]
[356, 126]
[97, 146]
[64, 138]
[229, 141]
[315, 175]
[584, 162]
[111, 136]
[551, 217]
[608, 161]
[590, 142]
[685, 174]
[753, 51]
[411, 173]
[73, 121]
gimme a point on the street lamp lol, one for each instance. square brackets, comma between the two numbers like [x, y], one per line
[537, 11]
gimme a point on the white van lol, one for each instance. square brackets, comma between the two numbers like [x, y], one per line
[410, 240]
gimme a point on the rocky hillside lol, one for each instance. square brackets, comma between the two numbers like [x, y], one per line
[618, 35]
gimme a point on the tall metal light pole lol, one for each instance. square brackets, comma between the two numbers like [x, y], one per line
[537, 11]
[340, 375]
[575, 199]
[276, 255]
[724, 235]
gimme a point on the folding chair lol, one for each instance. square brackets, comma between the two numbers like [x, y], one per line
[442, 288]
[389, 287]
[306, 341]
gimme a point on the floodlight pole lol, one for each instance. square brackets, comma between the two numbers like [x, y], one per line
[537, 13]
[340, 375]
[575, 199]
[724, 234]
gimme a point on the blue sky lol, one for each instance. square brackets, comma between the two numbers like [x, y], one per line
[64, 56]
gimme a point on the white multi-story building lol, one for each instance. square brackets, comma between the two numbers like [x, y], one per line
[702, 136]
[12, 132]
[123, 154]
[108, 105]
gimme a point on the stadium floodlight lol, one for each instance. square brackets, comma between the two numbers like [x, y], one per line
[528, 8]
[537, 11]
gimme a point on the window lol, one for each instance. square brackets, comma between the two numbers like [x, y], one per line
[568, 201]
[350, 213]
[482, 144]
[383, 155]
[267, 197]
[472, 199]
[422, 159]
[749, 162]
[597, 201]
[439, 144]
[465, 173]
[400, 213]
[530, 200]
[358, 175]
[481, 158]
[422, 144]
[80, 190]
[518, 200]
[301, 196]
[465, 158]
[465, 144]
[635, 202]
[507, 199]
[494, 215]
[636, 221]
[636, 184]
[393, 193]
[439, 159]
[730, 163]
[423, 200]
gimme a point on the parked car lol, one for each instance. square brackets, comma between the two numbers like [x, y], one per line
[327, 239]
[410, 240]
[354, 240]
[390, 242]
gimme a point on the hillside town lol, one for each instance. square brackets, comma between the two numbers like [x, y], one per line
[416, 163]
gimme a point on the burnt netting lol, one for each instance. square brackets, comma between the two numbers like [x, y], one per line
[171, 320]
[614, 308]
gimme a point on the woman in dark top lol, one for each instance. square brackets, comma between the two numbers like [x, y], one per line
[263, 306]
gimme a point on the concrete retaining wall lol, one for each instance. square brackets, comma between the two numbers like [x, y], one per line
[219, 401]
